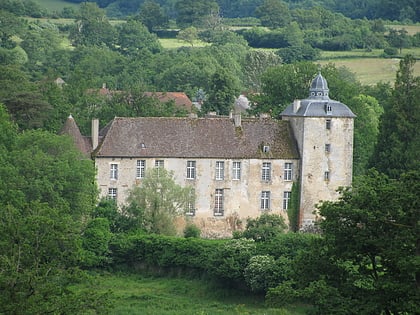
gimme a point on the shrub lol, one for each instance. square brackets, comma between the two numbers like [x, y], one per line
[265, 227]
[390, 51]
[231, 258]
[191, 230]
[96, 239]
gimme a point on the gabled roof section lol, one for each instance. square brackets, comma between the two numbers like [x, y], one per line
[174, 137]
[70, 128]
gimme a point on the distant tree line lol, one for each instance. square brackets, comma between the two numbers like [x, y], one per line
[403, 11]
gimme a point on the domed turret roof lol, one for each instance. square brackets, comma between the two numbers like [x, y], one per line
[318, 104]
[319, 88]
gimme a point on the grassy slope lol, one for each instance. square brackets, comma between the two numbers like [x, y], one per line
[135, 294]
[368, 66]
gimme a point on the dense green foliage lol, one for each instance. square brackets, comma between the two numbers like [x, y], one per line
[402, 10]
[399, 138]
[47, 191]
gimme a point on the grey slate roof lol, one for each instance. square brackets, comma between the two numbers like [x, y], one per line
[318, 104]
[173, 137]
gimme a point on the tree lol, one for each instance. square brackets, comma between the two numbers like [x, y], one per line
[366, 130]
[398, 145]
[189, 35]
[398, 39]
[134, 38]
[191, 12]
[372, 236]
[255, 64]
[222, 92]
[152, 15]
[46, 192]
[273, 13]
[92, 28]
[158, 201]
[266, 227]
[281, 85]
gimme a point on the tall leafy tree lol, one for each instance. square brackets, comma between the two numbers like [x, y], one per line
[398, 146]
[92, 27]
[273, 13]
[158, 201]
[152, 15]
[46, 193]
[191, 12]
[372, 235]
[134, 38]
[221, 94]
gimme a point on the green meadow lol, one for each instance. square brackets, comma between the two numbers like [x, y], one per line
[131, 294]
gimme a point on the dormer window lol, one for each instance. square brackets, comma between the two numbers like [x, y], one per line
[266, 149]
[328, 109]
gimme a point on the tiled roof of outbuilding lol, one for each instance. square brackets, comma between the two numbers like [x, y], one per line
[197, 138]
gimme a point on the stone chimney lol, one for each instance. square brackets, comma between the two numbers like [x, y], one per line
[95, 133]
[296, 105]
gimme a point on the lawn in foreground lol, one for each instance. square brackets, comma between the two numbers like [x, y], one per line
[137, 294]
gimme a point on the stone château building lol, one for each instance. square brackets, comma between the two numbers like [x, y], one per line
[239, 167]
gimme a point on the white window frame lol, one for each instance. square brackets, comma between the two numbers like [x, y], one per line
[112, 193]
[288, 171]
[218, 202]
[158, 165]
[191, 169]
[113, 171]
[265, 200]
[266, 171]
[190, 211]
[141, 168]
[220, 170]
[236, 170]
[286, 199]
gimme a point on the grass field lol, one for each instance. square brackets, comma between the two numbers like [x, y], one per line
[370, 71]
[369, 67]
[136, 294]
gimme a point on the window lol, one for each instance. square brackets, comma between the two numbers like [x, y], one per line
[288, 171]
[141, 168]
[286, 199]
[327, 175]
[236, 171]
[114, 171]
[220, 170]
[191, 205]
[327, 147]
[266, 171]
[159, 164]
[328, 124]
[265, 200]
[190, 169]
[266, 148]
[112, 193]
[218, 202]
[328, 109]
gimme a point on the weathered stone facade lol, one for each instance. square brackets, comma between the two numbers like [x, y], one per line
[239, 167]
